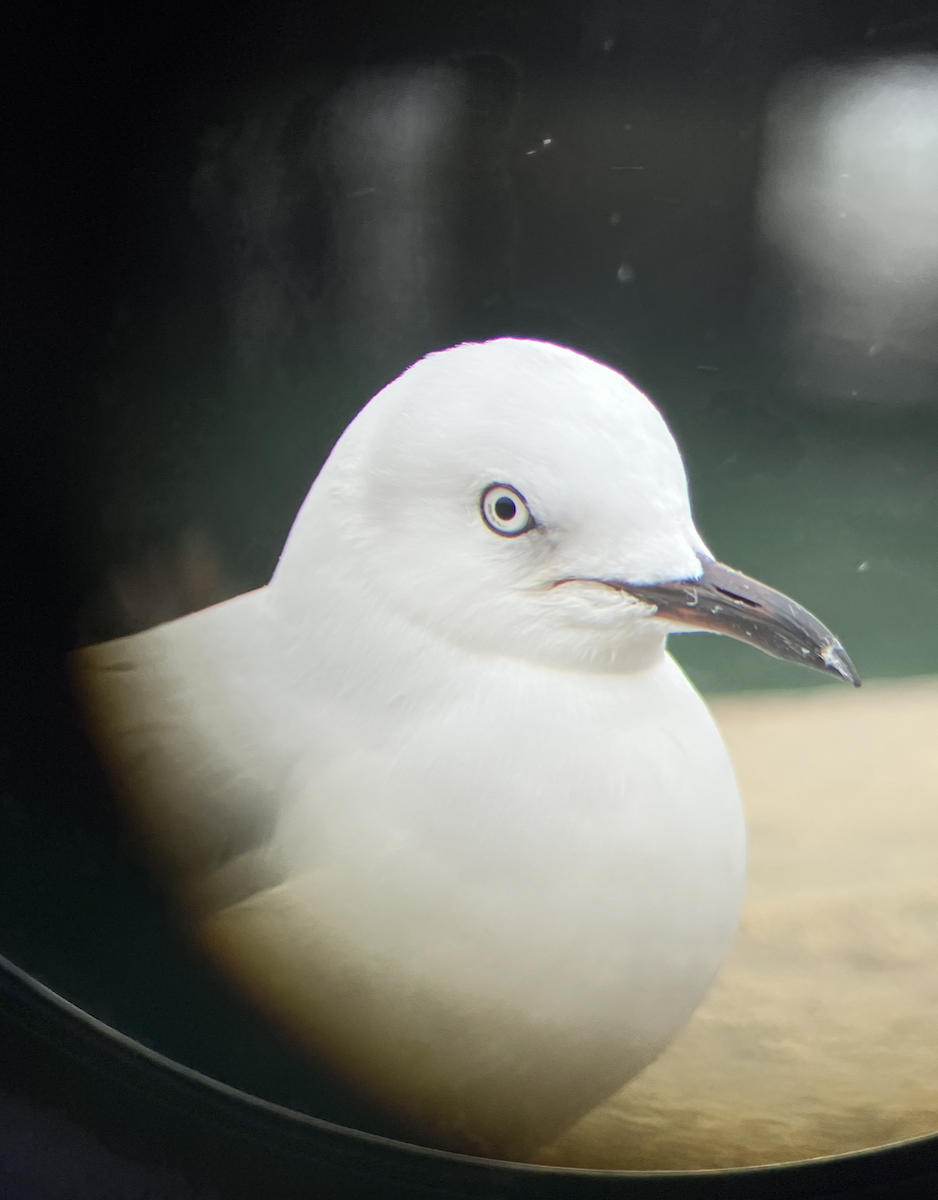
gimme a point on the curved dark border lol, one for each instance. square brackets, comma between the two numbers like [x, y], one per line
[244, 1146]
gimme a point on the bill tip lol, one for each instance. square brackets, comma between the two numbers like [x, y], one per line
[837, 661]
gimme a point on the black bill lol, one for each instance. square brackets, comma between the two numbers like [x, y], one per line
[725, 601]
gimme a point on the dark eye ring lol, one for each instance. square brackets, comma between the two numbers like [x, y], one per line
[505, 510]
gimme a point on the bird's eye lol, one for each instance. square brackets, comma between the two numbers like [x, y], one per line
[505, 511]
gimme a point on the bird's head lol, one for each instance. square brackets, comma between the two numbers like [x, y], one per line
[520, 499]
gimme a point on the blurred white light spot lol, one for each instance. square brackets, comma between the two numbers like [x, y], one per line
[864, 566]
[389, 134]
[849, 197]
[625, 274]
[614, 218]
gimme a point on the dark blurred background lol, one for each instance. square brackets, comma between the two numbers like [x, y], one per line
[227, 228]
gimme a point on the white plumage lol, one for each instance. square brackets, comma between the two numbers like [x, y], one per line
[436, 795]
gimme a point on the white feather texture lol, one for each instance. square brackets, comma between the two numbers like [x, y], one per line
[446, 808]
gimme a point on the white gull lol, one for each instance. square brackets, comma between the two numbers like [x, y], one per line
[437, 796]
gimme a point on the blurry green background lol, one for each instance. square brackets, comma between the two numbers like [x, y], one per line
[838, 509]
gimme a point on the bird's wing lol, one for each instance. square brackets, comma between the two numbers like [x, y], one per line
[177, 716]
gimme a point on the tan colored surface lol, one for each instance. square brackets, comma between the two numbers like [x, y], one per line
[820, 1035]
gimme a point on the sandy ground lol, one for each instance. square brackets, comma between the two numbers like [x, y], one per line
[820, 1035]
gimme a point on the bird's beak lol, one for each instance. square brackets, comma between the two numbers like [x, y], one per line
[725, 601]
